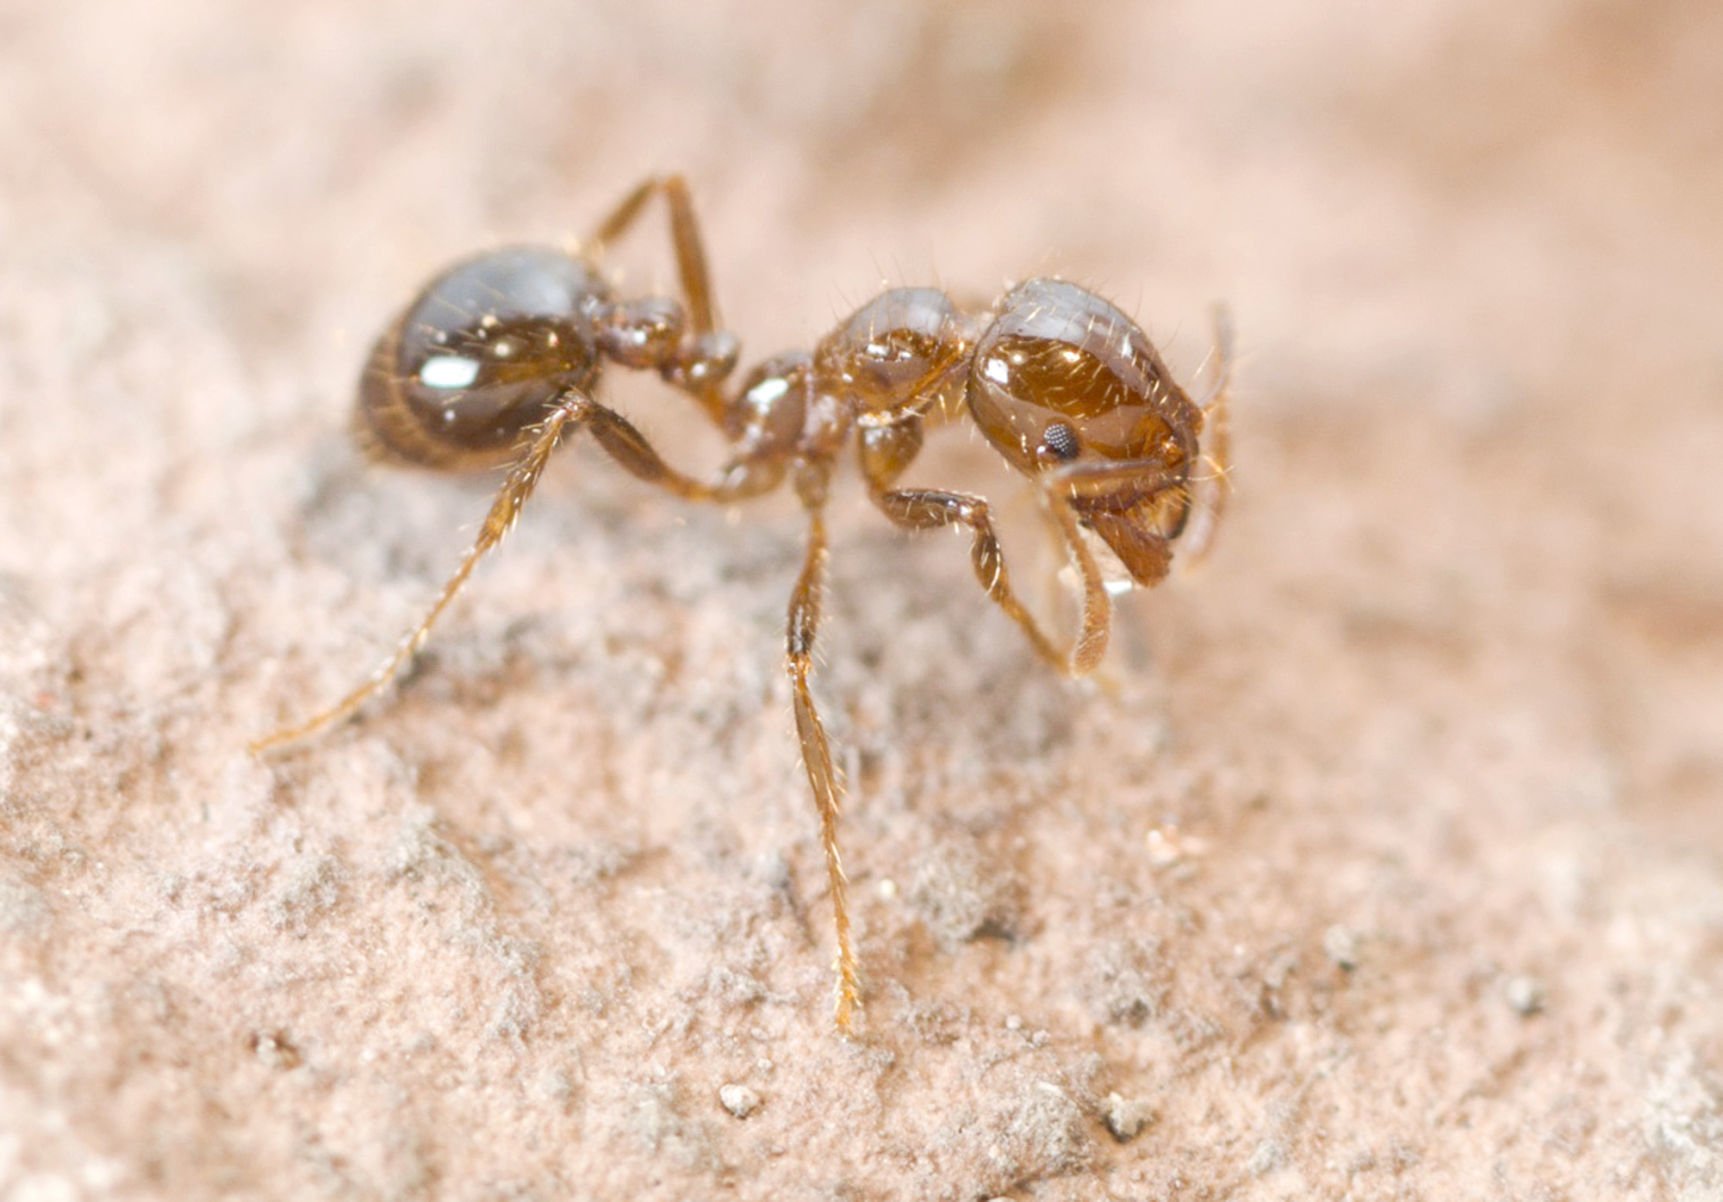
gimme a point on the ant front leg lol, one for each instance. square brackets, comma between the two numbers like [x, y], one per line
[803, 624]
[888, 451]
[929, 509]
[711, 352]
[1106, 497]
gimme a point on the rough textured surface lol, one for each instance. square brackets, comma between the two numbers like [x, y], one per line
[1386, 861]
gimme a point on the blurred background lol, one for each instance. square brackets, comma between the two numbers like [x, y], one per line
[1449, 687]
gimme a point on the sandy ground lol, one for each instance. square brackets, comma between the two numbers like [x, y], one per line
[1385, 861]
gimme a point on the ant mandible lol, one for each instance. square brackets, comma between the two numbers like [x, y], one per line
[499, 358]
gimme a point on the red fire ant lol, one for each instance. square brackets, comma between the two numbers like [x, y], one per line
[500, 356]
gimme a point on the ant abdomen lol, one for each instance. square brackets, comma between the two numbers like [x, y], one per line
[480, 357]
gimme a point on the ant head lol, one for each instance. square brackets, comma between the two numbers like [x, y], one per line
[1063, 382]
[896, 355]
[479, 357]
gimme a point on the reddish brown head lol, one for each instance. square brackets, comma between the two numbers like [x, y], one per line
[1066, 387]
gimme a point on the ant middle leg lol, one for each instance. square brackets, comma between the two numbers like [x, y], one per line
[802, 625]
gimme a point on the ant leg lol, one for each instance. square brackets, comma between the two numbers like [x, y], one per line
[926, 509]
[711, 351]
[803, 622]
[623, 443]
[1103, 497]
[1217, 487]
[684, 235]
[522, 478]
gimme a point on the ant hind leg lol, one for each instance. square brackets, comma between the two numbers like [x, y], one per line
[684, 235]
[505, 509]
[619, 439]
[713, 351]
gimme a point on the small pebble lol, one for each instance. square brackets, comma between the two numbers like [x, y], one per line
[1268, 1157]
[1125, 1118]
[275, 1049]
[739, 1100]
[1169, 847]
[1341, 944]
[1525, 994]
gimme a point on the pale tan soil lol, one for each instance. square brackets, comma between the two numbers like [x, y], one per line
[1386, 861]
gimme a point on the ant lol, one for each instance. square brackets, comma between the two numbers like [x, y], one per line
[498, 359]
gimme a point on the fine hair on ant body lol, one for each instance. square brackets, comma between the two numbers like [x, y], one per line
[499, 358]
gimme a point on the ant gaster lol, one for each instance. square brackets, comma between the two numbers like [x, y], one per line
[500, 357]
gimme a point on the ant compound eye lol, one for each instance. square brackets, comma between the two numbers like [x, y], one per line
[1059, 441]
